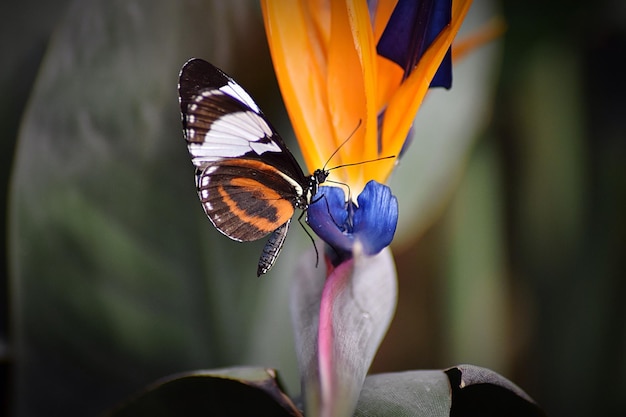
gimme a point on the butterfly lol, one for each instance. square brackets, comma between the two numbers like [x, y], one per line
[247, 180]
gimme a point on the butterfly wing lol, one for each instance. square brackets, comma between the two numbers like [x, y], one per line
[245, 199]
[247, 180]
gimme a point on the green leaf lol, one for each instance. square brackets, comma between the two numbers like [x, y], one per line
[463, 390]
[481, 391]
[223, 392]
[405, 394]
[118, 277]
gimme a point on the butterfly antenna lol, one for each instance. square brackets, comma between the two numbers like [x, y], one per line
[342, 143]
[382, 158]
[355, 163]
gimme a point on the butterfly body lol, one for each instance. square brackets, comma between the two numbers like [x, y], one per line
[247, 180]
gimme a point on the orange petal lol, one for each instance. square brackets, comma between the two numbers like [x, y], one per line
[389, 79]
[485, 34]
[345, 88]
[295, 39]
[351, 87]
[405, 103]
[384, 9]
[366, 48]
[389, 74]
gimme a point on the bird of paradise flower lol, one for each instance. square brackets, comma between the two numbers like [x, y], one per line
[339, 63]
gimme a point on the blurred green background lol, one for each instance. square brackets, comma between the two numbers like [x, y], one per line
[510, 254]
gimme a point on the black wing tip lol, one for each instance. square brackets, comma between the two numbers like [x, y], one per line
[196, 75]
[198, 68]
[195, 62]
[193, 69]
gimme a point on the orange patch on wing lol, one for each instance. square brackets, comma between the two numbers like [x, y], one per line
[256, 188]
[284, 208]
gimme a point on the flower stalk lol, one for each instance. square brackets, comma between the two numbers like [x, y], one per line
[339, 65]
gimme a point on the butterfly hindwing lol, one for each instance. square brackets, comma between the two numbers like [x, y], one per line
[245, 199]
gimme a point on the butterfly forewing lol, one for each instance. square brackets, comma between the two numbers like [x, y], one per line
[198, 75]
[220, 120]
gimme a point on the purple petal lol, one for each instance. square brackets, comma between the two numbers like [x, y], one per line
[340, 224]
[328, 217]
[413, 25]
[376, 219]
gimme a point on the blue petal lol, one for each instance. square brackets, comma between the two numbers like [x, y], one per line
[376, 218]
[328, 217]
[373, 222]
[413, 25]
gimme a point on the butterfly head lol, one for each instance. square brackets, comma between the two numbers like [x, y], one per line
[318, 177]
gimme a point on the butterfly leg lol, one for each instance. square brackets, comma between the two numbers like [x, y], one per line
[323, 196]
[317, 254]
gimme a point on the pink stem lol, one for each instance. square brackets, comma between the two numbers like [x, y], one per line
[335, 281]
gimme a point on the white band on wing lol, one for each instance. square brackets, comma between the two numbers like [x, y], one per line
[233, 135]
